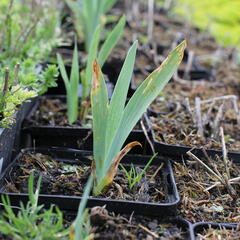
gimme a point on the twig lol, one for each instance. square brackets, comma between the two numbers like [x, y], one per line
[235, 106]
[224, 150]
[198, 116]
[225, 97]
[190, 154]
[150, 19]
[230, 189]
[188, 108]
[189, 65]
[153, 234]
[157, 171]
[16, 72]
[147, 137]
[231, 181]
[6, 81]
[135, 11]
[119, 189]
[217, 120]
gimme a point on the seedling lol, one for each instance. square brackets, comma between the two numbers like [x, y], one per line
[113, 122]
[29, 42]
[72, 84]
[133, 176]
[88, 15]
[12, 95]
[32, 221]
[81, 227]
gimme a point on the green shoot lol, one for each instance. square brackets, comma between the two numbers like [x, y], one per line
[32, 221]
[71, 85]
[88, 15]
[82, 227]
[113, 121]
[86, 75]
[134, 177]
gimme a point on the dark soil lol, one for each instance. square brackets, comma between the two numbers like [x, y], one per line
[69, 179]
[218, 204]
[177, 121]
[180, 128]
[108, 226]
[53, 112]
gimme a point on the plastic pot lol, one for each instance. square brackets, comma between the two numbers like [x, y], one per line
[71, 203]
[201, 226]
[73, 137]
[10, 137]
[176, 151]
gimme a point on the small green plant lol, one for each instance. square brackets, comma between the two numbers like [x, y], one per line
[24, 38]
[88, 15]
[12, 95]
[72, 84]
[133, 176]
[31, 39]
[81, 228]
[32, 221]
[113, 121]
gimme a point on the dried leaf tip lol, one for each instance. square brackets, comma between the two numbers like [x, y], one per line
[181, 47]
[96, 75]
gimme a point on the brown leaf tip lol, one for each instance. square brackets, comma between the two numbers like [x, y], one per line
[96, 75]
[181, 47]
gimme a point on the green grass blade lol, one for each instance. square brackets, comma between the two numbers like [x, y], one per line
[140, 175]
[63, 72]
[80, 217]
[111, 41]
[119, 96]
[108, 4]
[99, 101]
[143, 97]
[74, 85]
[86, 81]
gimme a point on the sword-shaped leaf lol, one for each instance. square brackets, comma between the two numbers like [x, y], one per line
[142, 98]
[111, 41]
[99, 100]
[109, 139]
[119, 96]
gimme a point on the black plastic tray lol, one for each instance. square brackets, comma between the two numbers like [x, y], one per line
[74, 137]
[177, 151]
[10, 137]
[200, 226]
[71, 203]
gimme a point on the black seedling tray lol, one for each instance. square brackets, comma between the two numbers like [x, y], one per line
[23, 112]
[7, 138]
[197, 75]
[74, 137]
[177, 151]
[10, 137]
[200, 226]
[111, 70]
[71, 203]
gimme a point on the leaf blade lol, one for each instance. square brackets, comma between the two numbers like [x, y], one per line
[111, 41]
[99, 101]
[119, 96]
[142, 98]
